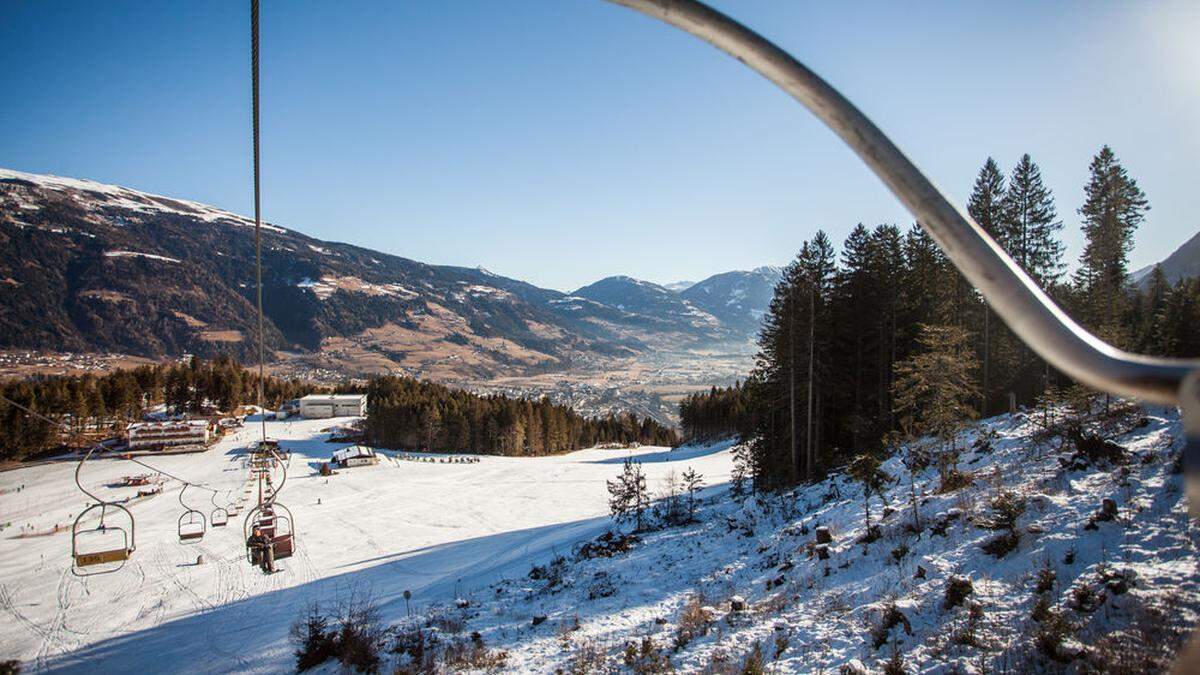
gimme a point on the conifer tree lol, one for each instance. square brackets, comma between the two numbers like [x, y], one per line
[693, 482]
[1113, 209]
[628, 497]
[1030, 226]
[934, 389]
[987, 207]
[867, 471]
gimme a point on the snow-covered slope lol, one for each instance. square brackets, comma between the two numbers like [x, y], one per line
[463, 538]
[430, 528]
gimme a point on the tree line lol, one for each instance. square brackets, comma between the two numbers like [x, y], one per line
[407, 413]
[101, 404]
[886, 339]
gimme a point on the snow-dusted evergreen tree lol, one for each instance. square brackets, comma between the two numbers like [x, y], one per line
[1029, 230]
[627, 494]
[1113, 209]
[693, 482]
[867, 471]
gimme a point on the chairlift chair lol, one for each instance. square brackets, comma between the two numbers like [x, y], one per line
[104, 548]
[219, 516]
[192, 524]
[275, 521]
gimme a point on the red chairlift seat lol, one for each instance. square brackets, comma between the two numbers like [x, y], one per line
[274, 520]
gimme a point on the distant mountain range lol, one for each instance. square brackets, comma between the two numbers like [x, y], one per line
[1182, 264]
[86, 266]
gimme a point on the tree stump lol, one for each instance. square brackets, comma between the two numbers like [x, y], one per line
[1108, 509]
[823, 535]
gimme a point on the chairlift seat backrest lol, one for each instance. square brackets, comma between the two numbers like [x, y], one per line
[283, 546]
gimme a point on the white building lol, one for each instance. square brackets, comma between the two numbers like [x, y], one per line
[355, 455]
[144, 435]
[333, 405]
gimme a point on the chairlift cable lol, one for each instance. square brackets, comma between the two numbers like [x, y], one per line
[257, 208]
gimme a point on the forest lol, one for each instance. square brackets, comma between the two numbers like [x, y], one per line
[101, 405]
[414, 414]
[403, 412]
[885, 340]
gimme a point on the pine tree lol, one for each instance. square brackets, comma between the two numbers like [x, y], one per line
[628, 497]
[987, 207]
[1030, 226]
[934, 389]
[867, 471]
[1113, 209]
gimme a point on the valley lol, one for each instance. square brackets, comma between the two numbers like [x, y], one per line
[105, 269]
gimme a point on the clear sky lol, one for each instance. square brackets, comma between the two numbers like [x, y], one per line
[560, 141]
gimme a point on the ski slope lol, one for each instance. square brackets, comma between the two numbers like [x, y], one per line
[437, 530]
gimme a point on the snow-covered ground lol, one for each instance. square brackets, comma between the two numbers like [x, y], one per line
[463, 538]
[433, 529]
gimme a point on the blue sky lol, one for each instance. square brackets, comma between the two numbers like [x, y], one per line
[563, 141]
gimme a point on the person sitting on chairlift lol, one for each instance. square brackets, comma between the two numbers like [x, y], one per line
[266, 551]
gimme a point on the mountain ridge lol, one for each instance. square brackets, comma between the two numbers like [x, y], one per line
[1184, 262]
[97, 267]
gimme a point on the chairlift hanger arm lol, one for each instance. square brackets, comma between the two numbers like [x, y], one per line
[1015, 297]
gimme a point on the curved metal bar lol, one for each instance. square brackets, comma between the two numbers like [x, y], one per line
[1017, 299]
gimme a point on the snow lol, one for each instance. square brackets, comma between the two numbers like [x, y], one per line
[329, 284]
[135, 200]
[136, 254]
[425, 527]
[462, 538]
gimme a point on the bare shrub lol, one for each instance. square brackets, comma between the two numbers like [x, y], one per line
[587, 658]
[1050, 635]
[1046, 578]
[889, 618]
[1148, 645]
[316, 642]
[957, 590]
[754, 664]
[895, 663]
[646, 657]
[354, 634]
[472, 654]
[954, 480]
[694, 621]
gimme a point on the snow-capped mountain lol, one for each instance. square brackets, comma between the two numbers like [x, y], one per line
[648, 299]
[91, 267]
[678, 286]
[738, 299]
[735, 301]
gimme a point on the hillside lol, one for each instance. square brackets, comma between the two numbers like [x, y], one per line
[1183, 263]
[648, 299]
[495, 549]
[89, 267]
[738, 299]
